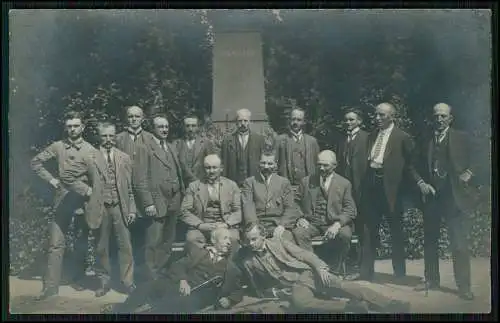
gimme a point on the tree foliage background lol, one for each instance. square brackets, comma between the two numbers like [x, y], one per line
[99, 61]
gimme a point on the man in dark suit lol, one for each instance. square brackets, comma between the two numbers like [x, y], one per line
[111, 200]
[193, 149]
[127, 141]
[279, 267]
[390, 152]
[268, 198]
[159, 185]
[448, 193]
[329, 210]
[182, 291]
[296, 150]
[211, 203]
[66, 203]
[241, 150]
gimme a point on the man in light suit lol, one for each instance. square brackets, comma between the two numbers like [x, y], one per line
[329, 210]
[193, 149]
[241, 150]
[279, 268]
[390, 161]
[74, 147]
[448, 193]
[158, 181]
[127, 141]
[268, 199]
[111, 204]
[296, 151]
[211, 203]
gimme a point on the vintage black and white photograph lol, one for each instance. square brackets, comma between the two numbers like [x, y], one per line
[239, 161]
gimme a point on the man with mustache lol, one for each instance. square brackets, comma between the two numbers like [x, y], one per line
[448, 193]
[296, 151]
[72, 148]
[329, 210]
[158, 181]
[390, 161]
[268, 199]
[179, 291]
[110, 202]
[193, 149]
[241, 150]
[290, 271]
[211, 203]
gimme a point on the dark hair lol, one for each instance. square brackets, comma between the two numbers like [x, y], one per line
[298, 109]
[268, 153]
[105, 124]
[354, 110]
[191, 116]
[159, 115]
[73, 115]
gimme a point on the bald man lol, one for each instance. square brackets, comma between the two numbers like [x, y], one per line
[390, 160]
[241, 150]
[448, 193]
[296, 151]
[193, 149]
[329, 210]
[158, 181]
[211, 203]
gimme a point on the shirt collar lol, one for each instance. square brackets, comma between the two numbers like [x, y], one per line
[297, 135]
[264, 178]
[134, 132]
[388, 129]
[353, 131]
[77, 143]
[244, 134]
[442, 133]
[158, 141]
[105, 151]
[328, 178]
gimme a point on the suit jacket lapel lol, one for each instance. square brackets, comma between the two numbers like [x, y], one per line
[101, 164]
[273, 187]
[306, 151]
[203, 194]
[390, 142]
[288, 154]
[158, 152]
[430, 150]
[171, 150]
[118, 164]
[313, 188]
[198, 144]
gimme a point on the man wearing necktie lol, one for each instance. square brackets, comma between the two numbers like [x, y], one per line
[211, 203]
[127, 141]
[296, 151]
[110, 201]
[241, 150]
[390, 160]
[268, 199]
[73, 148]
[193, 149]
[159, 185]
[329, 210]
[447, 193]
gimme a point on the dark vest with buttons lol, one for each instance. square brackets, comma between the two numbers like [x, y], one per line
[349, 145]
[110, 189]
[319, 217]
[189, 155]
[242, 161]
[298, 160]
[171, 185]
[440, 166]
[213, 211]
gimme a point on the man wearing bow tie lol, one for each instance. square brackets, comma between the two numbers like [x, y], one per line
[205, 276]
[390, 160]
[193, 149]
[268, 199]
[159, 185]
[241, 150]
[296, 151]
[211, 203]
[73, 148]
[448, 193]
[110, 206]
[282, 269]
[329, 210]
[127, 141]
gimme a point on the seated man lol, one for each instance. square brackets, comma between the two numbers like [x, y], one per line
[211, 203]
[268, 199]
[204, 277]
[282, 265]
[328, 208]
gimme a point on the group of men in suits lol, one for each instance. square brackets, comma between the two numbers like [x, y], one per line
[258, 197]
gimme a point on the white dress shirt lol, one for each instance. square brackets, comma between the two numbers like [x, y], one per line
[190, 143]
[105, 154]
[164, 147]
[297, 136]
[268, 180]
[379, 160]
[134, 134]
[352, 134]
[243, 138]
[325, 182]
[441, 135]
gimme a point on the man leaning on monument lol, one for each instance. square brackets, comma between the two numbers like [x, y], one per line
[210, 203]
[268, 198]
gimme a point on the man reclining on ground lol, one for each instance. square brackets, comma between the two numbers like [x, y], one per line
[205, 276]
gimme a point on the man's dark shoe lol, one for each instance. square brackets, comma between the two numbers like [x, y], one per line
[357, 307]
[426, 286]
[47, 292]
[103, 290]
[78, 283]
[467, 295]
[397, 307]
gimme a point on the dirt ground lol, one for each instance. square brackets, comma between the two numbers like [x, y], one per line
[445, 300]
